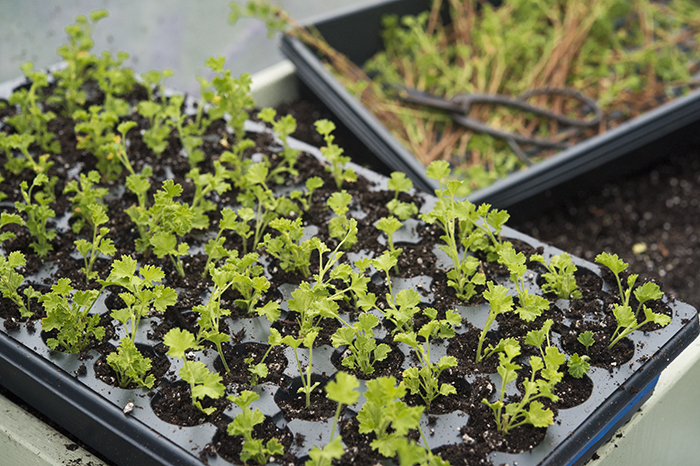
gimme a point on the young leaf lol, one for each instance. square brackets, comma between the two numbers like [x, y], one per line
[578, 365]
[343, 389]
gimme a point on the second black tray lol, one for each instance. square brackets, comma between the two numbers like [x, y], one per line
[631, 146]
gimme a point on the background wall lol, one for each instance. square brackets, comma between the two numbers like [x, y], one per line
[175, 34]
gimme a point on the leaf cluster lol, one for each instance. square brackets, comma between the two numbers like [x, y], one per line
[559, 278]
[424, 380]
[627, 319]
[68, 312]
[527, 410]
[11, 280]
[143, 292]
[243, 425]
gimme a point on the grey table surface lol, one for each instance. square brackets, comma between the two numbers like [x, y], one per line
[175, 34]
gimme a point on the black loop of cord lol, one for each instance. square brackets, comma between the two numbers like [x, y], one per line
[460, 105]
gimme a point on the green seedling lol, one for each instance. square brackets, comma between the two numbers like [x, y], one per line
[342, 390]
[163, 223]
[243, 425]
[100, 244]
[551, 354]
[80, 62]
[340, 226]
[203, 383]
[68, 312]
[403, 306]
[283, 128]
[499, 302]
[586, 339]
[154, 82]
[235, 273]
[130, 365]
[360, 341]
[245, 275]
[229, 96]
[399, 183]
[11, 280]
[456, 219]
[21, 142]
[334, 154]
[258, 196]
[95, 133]
[118, 146]
[389, 226]
[189, 131]
[8, 219]
[308, 338]
[293, 254]
[142, 293]
[138, 184]
[578, 366]
[559, 278]
[424, 380]
[114, 80]
[390, 420]
[260, 370]
[32, 119]
[156, 136]
[86, 194]
[205, 184]
[627, 319]
[38, 214]
[312, 184]
[530, 306]
[314, 302]
[526, 411]
[214, 248]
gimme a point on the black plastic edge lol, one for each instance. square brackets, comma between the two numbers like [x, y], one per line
[621, 419]
[518, 187]
[97, 422]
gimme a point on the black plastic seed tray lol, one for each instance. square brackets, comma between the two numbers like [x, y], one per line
[355, 32]
[122, 426]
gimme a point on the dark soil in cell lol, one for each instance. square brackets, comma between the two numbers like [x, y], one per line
[275, 361]
[230, 447]
[173, 404]
[293, 404]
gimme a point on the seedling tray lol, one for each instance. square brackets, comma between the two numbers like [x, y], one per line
[355, 32]
[95, 412]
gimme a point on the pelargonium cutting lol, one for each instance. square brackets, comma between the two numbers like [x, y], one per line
[193, 235]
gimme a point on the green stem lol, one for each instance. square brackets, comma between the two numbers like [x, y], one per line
[335, 421]
[308, 375]
[178, 265]
[221, 355]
